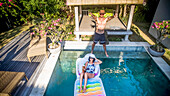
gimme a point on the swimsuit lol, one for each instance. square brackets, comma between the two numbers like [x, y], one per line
[90, 68]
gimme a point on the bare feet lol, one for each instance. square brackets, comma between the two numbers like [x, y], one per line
[80, 90]
[107, 55]
[84, 90]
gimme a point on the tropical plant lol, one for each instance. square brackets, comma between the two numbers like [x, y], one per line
[48, 24]
[17, 12]
[163, 31]
[12, 12]
[33, 8]
[56, 28]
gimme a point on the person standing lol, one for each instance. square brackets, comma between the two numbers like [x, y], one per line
[99, 33]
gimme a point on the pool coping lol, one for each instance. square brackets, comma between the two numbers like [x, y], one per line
[161, 63]
[44, 77]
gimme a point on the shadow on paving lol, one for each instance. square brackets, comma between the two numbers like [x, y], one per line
[13, 57]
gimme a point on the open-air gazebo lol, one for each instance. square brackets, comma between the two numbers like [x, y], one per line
[84, 25]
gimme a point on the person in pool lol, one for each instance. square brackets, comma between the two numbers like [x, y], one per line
[89, 71]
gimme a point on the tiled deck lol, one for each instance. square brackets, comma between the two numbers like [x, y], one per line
[13, 57]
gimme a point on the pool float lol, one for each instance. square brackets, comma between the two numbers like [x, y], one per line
[94, 85]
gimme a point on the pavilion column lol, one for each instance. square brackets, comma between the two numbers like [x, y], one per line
[117, 11]
[124, 11]
[130, 17]
[76, 18]
[70, 8]
[80, 9]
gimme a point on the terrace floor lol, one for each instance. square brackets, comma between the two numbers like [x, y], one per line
[13, 57]
[87, 24]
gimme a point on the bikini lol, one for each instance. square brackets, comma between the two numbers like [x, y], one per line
[90, 68]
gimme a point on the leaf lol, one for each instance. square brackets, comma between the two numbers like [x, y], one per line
[168, 36]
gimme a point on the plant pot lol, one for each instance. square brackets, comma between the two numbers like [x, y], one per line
[54, 50]
[155, 53]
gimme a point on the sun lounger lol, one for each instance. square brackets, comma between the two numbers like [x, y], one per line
[94, 85]
[9, 80]
[37, 47]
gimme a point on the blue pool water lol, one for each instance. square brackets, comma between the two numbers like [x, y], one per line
[123, 74]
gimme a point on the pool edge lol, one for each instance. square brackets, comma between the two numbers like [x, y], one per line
[44, 77]
[165, 68]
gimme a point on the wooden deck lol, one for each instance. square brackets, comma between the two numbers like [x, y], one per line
[113, 27]
[88, 25]
[13, 57]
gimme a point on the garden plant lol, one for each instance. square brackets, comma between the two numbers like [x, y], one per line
[163, 31]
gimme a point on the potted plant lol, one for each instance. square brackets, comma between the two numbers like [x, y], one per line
[163, 31]
[39, 29]
[56, 30]
[56, 33]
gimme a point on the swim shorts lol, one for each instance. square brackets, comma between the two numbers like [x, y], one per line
[99, 37]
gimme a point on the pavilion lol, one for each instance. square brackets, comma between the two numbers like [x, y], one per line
[84, 25]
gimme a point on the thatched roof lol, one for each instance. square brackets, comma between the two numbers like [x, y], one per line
[103, 2]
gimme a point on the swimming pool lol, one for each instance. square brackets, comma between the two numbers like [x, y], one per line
[123, 74]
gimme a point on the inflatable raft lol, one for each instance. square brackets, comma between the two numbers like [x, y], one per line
[94, 85]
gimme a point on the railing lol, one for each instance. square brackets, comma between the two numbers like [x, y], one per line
[85, 12]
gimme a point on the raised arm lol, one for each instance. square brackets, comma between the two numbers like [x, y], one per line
[86, 64]
[93, 16]
[110, 17]
[98, 61]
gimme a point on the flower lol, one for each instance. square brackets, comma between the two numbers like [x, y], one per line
[153, 26]
[9, 5]
[50, 28]
[60, 40]
[166, 26]
[55, 24]
[45, 33]
[9, 0]
[32, 33]
[41, 13]
[1, 4]
[162, 32]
